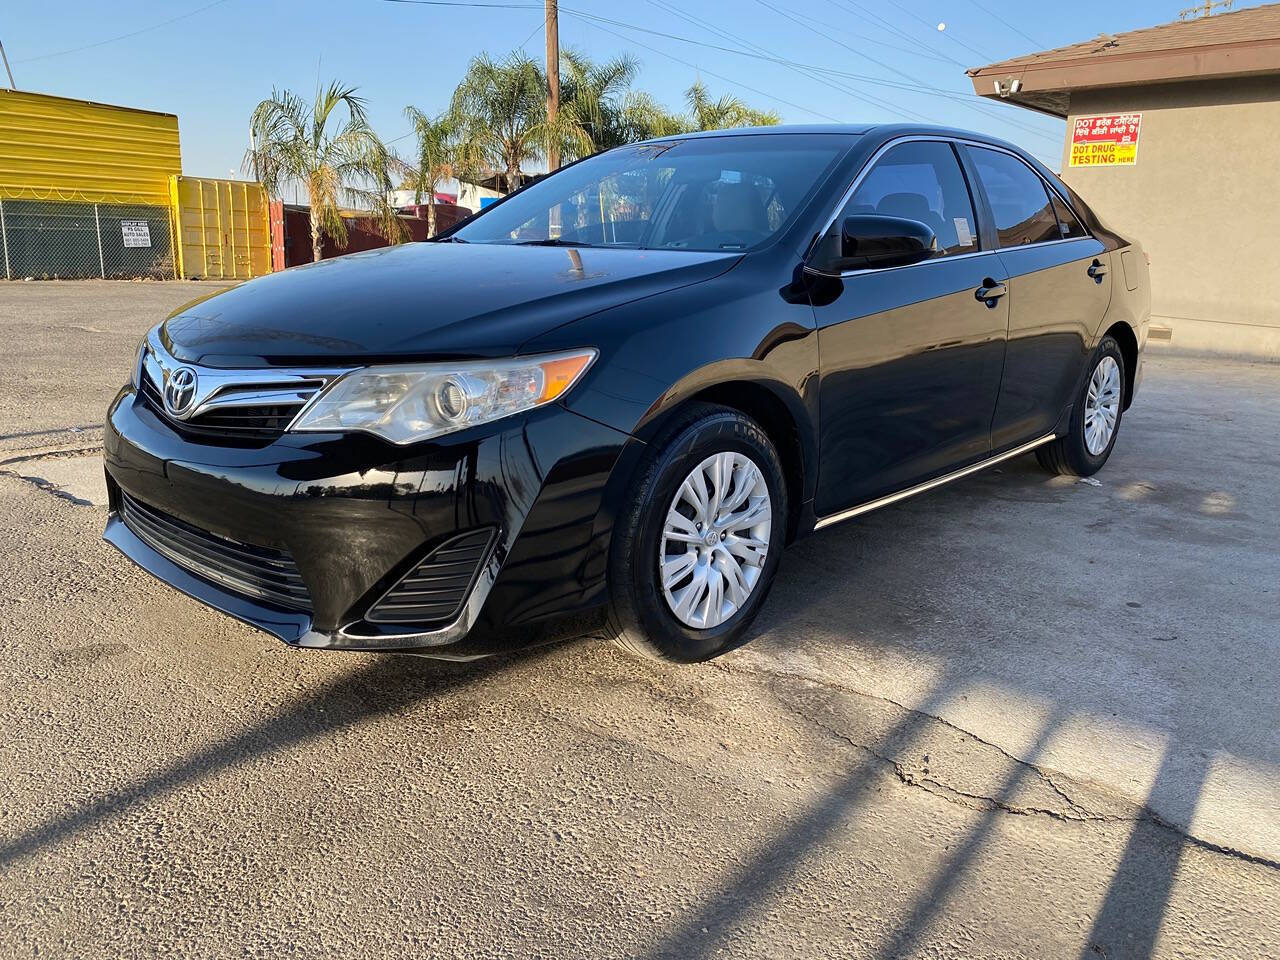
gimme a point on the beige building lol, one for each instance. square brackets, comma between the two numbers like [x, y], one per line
[1173, 136]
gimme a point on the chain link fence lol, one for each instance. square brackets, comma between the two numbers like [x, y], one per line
[58, 240]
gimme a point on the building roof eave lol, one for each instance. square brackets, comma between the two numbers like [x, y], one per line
[1047, 84]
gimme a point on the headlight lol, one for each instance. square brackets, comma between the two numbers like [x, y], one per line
[405, 404]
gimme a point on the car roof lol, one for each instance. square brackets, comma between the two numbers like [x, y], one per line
[881, 131]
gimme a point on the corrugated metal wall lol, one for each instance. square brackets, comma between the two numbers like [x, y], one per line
[222, 228]
[52, 148]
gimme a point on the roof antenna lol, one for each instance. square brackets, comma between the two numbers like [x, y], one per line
[1205, 9]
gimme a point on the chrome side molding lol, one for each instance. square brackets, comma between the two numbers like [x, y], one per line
[931, 484]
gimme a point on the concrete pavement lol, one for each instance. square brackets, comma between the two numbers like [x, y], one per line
[1018, 717]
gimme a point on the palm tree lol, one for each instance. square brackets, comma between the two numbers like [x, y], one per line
[728, 111]
[646, 118]
[436, 152]
[500, 111]
[597, 98]
[296, 141]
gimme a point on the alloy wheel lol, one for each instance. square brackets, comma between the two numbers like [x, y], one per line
[715, 540]
[1102, 406]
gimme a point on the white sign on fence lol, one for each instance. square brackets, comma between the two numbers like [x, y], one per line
[137, 233]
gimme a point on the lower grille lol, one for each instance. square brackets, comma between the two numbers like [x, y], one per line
[258, 572]
[436, 588]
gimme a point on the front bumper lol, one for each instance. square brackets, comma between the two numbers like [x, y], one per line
[356, 514]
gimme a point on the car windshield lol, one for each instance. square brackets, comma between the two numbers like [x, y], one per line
[704, 193]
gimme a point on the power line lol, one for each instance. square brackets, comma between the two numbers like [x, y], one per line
[954, 39]
[469, 3]
[921, 52]
[123, 36]
[909, 84]
[877, 21]
[718, 76]
[959, 98]
[996, 16]
[803, 69]
[523, 43]
[854, 50]
[970, 102]
[542, 23]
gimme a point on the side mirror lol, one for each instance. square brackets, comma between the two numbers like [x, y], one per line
[870, 240]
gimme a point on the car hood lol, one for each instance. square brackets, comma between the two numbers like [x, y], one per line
[423, 301]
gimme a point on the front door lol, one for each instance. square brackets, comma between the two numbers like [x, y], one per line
[1059, 291]
[910, 356]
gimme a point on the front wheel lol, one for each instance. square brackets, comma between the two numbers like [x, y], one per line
[696, 547]
[1095, 418]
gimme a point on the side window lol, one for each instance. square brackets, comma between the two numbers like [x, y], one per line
[1019, 202]
[921, 180]
[1068, 221]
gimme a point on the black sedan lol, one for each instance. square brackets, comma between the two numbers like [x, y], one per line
[612, 398]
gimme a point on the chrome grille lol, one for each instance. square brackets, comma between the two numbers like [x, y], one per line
[258, 572]
[436, 588]
[247, 405]
[244, 420]
[234, 414]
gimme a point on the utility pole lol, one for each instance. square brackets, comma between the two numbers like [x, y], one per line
[253, 152]
[13, 86]
[553, 78]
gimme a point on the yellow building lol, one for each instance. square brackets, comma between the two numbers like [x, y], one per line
[84, 188]
[94, 190]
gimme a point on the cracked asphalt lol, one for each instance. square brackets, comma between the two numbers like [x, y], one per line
[1019, 717]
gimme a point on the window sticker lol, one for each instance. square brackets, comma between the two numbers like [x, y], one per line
[964, 236]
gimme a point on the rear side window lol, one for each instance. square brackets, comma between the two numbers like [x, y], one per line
[1019, 201]
[1068, 221]
[921, 180]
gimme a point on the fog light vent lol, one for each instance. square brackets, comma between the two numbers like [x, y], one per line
[436, 589]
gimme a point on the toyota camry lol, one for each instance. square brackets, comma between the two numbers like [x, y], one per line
[611, 399]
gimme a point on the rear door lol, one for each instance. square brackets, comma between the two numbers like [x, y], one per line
[1059, 289]
[910, 356]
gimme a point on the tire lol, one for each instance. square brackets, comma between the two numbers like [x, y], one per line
[1070, 455]
[643, 618]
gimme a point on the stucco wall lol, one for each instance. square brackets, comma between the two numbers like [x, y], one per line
[1204, 200]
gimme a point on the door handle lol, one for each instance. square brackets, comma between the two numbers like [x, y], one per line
[990, 292]
[1097, 270]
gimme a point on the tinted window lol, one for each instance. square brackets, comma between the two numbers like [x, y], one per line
[1018, 199]
[1070, 224]
[921, 181]
[712, 193]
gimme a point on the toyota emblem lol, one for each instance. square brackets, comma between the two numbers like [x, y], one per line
[180, 392]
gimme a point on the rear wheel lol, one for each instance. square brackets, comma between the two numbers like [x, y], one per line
[697, 546]
[1095, 419]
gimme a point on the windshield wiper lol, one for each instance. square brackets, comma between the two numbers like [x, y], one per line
[552, 242]
[450, 240]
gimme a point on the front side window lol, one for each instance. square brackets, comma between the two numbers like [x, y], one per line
[706, 193]
[1019, 202]
[921, 180]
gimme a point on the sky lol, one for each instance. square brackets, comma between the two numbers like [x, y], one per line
[211, 61]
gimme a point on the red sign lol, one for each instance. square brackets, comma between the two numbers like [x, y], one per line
[1108, 140]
